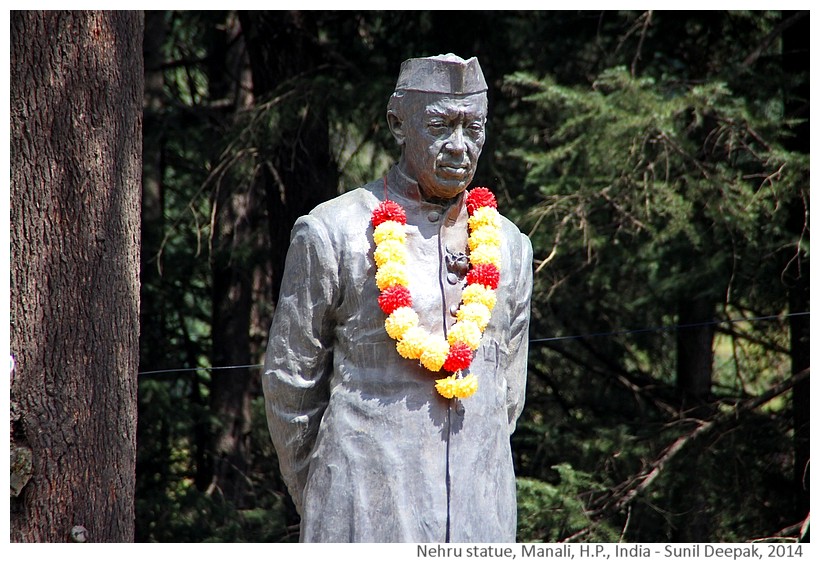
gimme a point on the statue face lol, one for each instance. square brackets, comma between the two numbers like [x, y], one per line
[442, 137]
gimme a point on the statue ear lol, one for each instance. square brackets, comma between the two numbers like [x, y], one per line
[396, 127]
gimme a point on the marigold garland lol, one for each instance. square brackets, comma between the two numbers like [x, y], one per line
[486, 254]
[484, 274]
[480, 197]
[484, 216]
[389, 211]
[400, 321]
[394, 297]
[454, 386]
[477, 293]
[391, 274]
[477, 313]
[390, 251]
[389, 230]
[412, 345]
[459, 358]
[454, 353]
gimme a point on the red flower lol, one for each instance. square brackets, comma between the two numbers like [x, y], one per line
[388, 211]
[484, 274]
[480, 197]
[394, 297]
[460, 357]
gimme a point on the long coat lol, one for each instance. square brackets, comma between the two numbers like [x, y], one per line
[369, 450]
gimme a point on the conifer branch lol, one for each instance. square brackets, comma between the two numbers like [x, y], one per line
[625, 493]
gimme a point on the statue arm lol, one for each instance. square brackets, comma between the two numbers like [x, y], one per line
[519, 335]
[298, 361]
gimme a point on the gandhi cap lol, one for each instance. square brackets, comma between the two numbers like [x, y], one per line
[444, 74]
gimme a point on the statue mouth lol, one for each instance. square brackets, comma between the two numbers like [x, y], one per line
[455, 170]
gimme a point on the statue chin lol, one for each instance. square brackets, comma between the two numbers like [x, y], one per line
[444, 190]
[442, 194]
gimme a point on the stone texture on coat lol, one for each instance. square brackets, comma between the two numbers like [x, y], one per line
[369, 450]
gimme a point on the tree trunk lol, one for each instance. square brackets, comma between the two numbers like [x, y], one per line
[153, 316]
[796, 272]
[801, 403]
[297, 174]
[238, 218]
[76, 126]
[283, 49]
[230, 389]
[694, 341]
[694, 380]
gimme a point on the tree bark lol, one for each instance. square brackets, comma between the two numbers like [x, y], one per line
[76, 130]
[295, 174]
[694, 378]
[231, 389]
[238, 220]
[695, 355]
[283, 49]
[153, 316]
[796, 271]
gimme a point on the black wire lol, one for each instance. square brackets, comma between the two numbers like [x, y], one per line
[666, 328]
[662, 328]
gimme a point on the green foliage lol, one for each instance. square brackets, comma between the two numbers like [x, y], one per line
[193, 516]
[550, 513]
[172, 509]
[664, 180]
[642, 192]
[649, 196]
[734, 486]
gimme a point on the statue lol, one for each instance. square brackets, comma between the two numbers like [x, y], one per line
[396, 364]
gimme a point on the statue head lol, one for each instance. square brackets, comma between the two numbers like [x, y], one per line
[437, 115]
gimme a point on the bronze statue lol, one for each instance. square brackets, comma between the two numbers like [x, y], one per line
[396, 365]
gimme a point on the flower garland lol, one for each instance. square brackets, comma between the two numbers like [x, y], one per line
[455, 352]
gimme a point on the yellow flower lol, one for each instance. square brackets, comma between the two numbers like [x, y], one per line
[476, 293]
[446, 387]
[435, 352]
[466, 386]
[412, 345]
[400, 321]
[484, 235]
[389, 230]
[466, 332]
[477, 313]
[486, 254]
[390, 250]
[392, 273]
[484, 216]
[454, 386]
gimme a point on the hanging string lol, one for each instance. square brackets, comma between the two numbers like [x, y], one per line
[211, 368]
[666, 328]
[662, 328]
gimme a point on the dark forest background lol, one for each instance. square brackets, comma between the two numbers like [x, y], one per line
[659, 161]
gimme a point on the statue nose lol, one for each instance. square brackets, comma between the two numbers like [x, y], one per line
[455, 143]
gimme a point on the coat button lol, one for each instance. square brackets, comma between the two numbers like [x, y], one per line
[433, 216]
[452, 279]
[453, 310]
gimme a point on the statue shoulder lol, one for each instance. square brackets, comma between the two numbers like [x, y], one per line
[347, 209]
[341, 220]
[349, 205]
[513, 234]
